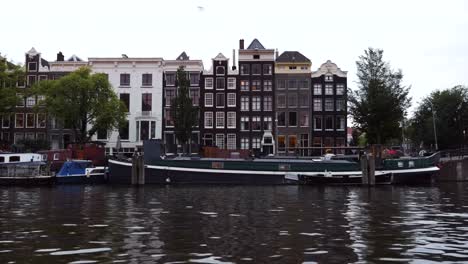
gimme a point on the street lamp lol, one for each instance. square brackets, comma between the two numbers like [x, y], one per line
[434, 125]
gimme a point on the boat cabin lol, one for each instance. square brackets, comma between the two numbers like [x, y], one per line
[7, 158]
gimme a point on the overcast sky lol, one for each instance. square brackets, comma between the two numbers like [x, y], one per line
[428, 40]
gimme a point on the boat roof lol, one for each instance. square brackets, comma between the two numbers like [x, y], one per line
[274, 160]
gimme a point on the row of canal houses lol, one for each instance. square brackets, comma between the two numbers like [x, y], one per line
[265, 101]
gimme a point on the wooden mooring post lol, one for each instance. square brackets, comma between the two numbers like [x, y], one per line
[138, 169]
[368, 170]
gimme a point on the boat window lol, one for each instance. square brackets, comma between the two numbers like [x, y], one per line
[400, 164]
[284, 167]
[14, 158]
[44, 157]
[2, 159]
[56, 156]
[411, 164]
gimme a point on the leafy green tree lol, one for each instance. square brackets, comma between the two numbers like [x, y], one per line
[184, 113]
[10, 75]
[450, 109]
[380, 102]
[84, 101]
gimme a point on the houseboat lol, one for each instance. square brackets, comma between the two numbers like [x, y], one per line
[24, 168]
[81, 171]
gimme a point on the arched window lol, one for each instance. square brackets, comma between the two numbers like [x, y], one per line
[220, 70]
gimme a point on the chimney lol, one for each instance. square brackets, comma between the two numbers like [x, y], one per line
[60, 56]
[241, 44]
[277, 53]
[234, 59]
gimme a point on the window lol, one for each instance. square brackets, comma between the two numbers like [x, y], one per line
[256, 57]
[244, 85]
[245, 143]
[219, 119]
[317, 104]
[169, 96]
[245, 69]
[124, 79]
[292, 118]
[292, 100]
[340, 123]
[256, 105]
[231, 119]
[220, 83]
[40, 99]
[19, 120]
[267, 69]
[329, 78]
[30, 101]
[146, 101]
[267, 85]
[6, 121]
[267, 103]
[256, 143]
[195, 95]
[281, 101]
[281, 119]
[31, 80]
[329, 123]
[220, 70]
[281, 84]
[208, 119]
[20, 102]
[318, 123]
[21, 83]
[317, 89]
[328, 89]
[220, 141]
[168, 118]
[267, 123]
[209, 83]
[328, 104]
[147, 79]
[303, 100]
[231, 100]
[194, 78]
[32, 66]
[220, 103]
[303, 119]
[125, 98]
[41, 120]
[256, 85]
[256, 123]
[208, 100]
[340, 89]
[245, 123]
[30, 120]
[245, 103]
[292, 67]
[340, 105]
[231, 83]
[231, 141]
[208, 139]
[170, 79]
[292, 84]
[304, 140]
[256, 69]
[281, 143]
[292, 142]
[304, 84]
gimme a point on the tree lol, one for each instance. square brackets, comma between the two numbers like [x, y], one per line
[450, 109]
[84, 101]
[10, 75]
[183, 112]
[380, 102]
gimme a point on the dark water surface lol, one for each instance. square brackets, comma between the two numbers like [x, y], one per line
[234, 224]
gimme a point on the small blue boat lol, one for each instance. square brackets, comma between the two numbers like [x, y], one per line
[81, 171]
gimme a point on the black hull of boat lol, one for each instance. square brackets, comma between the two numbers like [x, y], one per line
[26, 181]
[120, 173]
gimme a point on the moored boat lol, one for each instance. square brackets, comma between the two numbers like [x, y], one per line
[81, 171]
[24, 169]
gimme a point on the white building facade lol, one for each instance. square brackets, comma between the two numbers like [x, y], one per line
[138, 83]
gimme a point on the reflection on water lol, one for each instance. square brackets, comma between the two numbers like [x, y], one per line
[234, 224]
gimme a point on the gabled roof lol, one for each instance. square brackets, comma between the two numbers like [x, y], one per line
[74, 58]
[329, 68]
[32, 52]
[220, 56]
[183, 56]
[292, 56]
[255, 45]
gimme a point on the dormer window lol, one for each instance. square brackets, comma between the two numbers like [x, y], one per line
[256, 57]
[329, 78]
[292, 67]
[220, 70]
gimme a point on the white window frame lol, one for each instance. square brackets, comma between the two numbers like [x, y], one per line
[220, 141]
[329, 78]
[243, 104]
[231, 120]
[271, 85]
[245, 144]
[220, 67]
[317, 89]
[231, 141]
[208, 117]
[268, 120]
[207, 100]
[26, 120]
[209, 83]
[268, 103]
[29, 66]
[37, 120]
[254, 120]
[328, 89]
[22, 100]
[329, 102]
[231, 99]
[224, 100]
[30, 101]
[256, 103]
[231, 83]
[256, 143]
[340, 87]
[245, 119]
[223, 82]
[317, 109]
[220, 120]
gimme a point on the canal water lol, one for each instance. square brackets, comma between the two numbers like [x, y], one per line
[234, 224]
